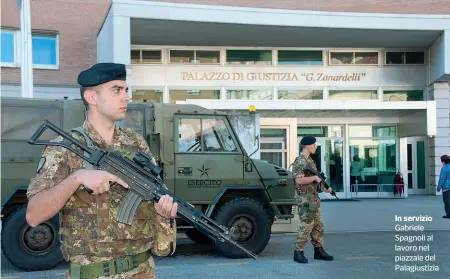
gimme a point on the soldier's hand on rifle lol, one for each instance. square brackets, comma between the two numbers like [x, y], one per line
[97, 180]
[166, 207]
[317, 179]
[328, 190]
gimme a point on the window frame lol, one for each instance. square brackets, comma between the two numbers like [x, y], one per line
[16, 49]
[387, 88]
[329, 51]
[176, 131]
[273, 61]
[194, 49]
[276, 57]
[147, 48]
[283, 150]
[403, 50]
[55, 35]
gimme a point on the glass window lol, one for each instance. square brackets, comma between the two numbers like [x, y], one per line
[195, 56]
[405, 58]
[320, 131]
[146, 56]
[257, 94]
[45, 50]
[151, 56]
[273, 146]
[354, 58]
[374, 163]
[250, 56]
[149, 95]
[415, 57]
[352, 95]
[182, 56]
[384, 131]
[300, 57]
[334, 168]
[135, 56]
[183, 95]
[8, 47]
[402, 95]
[205, 135]
[368, 131]
[300, 94]
[208, 57]
[395, 58]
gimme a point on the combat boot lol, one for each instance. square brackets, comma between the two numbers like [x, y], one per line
[300, 257]
[320, 254]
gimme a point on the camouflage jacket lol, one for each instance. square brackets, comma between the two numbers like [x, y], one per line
[88, 230]
[298, 171]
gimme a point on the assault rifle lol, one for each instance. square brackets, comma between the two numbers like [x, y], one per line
[143, 182]
[310, 169]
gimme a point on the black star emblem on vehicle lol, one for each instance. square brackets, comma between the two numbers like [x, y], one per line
[204, 171]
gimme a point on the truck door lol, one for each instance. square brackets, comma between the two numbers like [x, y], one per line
[207, 157]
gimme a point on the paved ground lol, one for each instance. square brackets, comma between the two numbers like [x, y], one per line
[369, 254]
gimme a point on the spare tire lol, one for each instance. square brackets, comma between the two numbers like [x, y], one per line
[29, 248]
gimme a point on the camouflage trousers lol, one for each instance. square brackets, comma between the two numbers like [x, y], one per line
[145, 270]
[311, 224]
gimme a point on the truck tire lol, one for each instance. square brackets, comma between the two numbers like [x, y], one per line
[251, 222]
[28, 248]
[198, 237]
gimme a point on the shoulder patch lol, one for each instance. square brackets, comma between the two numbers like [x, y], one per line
[40, 164]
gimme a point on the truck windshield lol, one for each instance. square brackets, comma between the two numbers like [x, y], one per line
[204, 135]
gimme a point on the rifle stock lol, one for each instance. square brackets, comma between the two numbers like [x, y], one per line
[143, 181]
[310, 169]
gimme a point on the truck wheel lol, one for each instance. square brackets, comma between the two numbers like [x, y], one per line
[30, 248]
[251, 224]
[198, 237]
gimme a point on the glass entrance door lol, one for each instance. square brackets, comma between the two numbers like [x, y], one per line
[328, 159]
[416, 154]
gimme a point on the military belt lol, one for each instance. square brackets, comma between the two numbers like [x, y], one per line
[107, 268]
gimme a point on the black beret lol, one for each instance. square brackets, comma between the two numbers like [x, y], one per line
[102, 73]
[308, 140]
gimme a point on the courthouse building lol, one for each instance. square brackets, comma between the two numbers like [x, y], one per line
[371, 85]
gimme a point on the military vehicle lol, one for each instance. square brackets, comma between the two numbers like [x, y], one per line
[204, 163]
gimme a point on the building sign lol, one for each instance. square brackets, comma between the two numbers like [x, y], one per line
[194, 77]
[283, 76]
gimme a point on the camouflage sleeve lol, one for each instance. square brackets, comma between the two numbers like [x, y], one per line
[298, 167]
[53, 167]
[165, 236]
[165, 232]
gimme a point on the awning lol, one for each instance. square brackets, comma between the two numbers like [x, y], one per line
[416, 118]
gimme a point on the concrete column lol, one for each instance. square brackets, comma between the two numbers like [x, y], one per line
[121, 42]
[440, 145]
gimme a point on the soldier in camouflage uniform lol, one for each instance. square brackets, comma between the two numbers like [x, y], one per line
[92, 241]
[309, 212]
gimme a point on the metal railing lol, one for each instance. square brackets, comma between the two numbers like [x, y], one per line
[382, 190]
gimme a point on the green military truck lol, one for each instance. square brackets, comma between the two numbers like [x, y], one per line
[204, 163]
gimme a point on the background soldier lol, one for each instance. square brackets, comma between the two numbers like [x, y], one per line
[309, 212]
[92, 241]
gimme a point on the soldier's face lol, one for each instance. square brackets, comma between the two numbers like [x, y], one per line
[312, 148]
[112, 100]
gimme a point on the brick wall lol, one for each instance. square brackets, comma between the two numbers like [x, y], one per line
[368, 6]
[77, 22]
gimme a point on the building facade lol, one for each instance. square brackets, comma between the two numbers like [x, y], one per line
[63, 44]
[372, 86]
